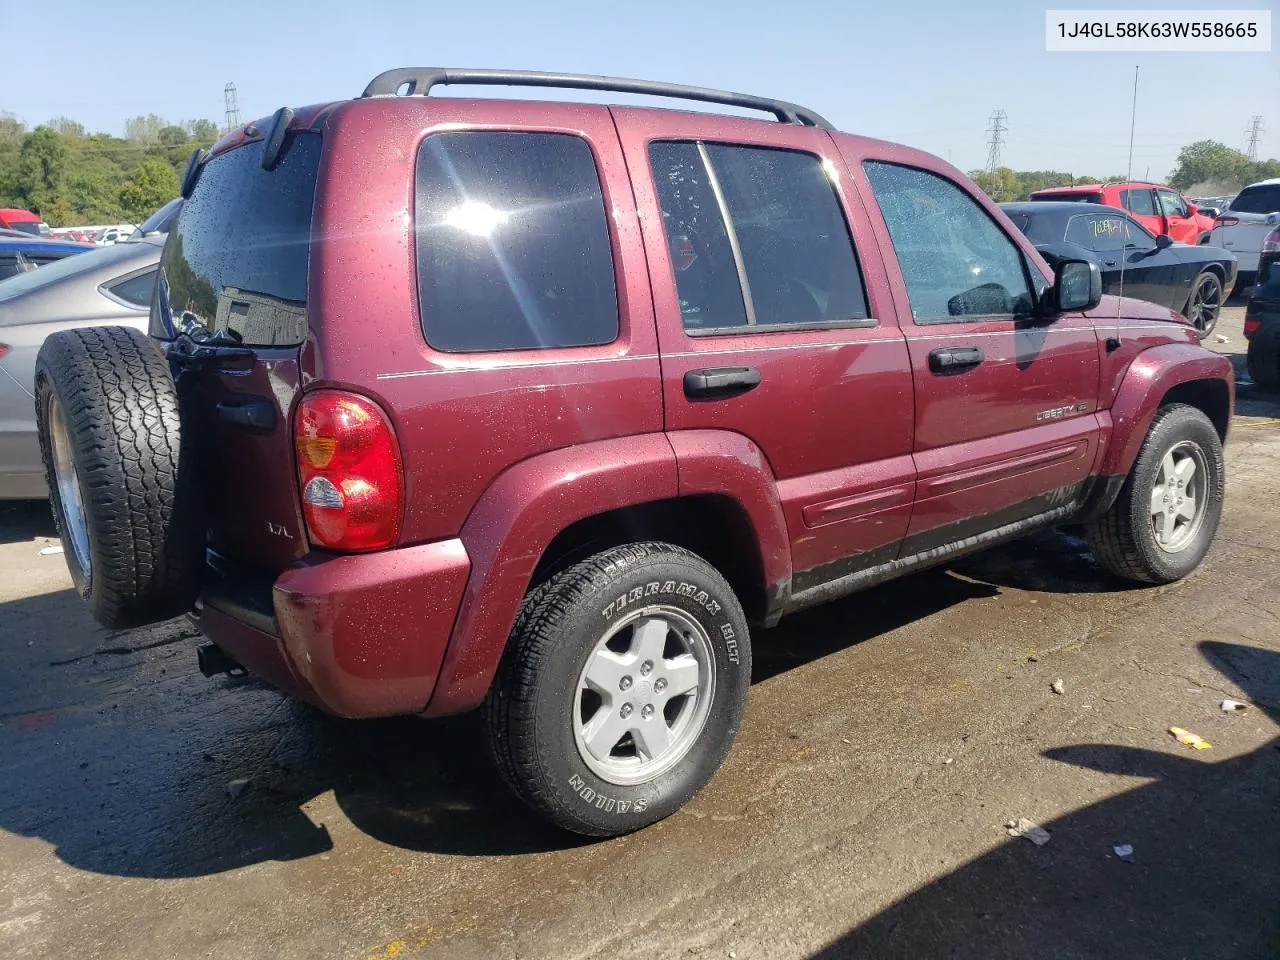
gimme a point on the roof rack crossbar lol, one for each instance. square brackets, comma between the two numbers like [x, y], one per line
[420, 80]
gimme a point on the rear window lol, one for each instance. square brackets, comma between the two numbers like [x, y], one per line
[512, 243]
[36, 229]
[1263, 199]
[1070, 197]
[236, 260]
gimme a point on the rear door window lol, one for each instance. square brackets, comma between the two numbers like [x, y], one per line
[756, 236]
[513, 244]
[236, 260]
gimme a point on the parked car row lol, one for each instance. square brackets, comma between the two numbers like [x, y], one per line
[1192, 280]
[1160, 209]
[76, 285]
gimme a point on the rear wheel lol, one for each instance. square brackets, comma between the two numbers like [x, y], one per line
[1264, 363]
[1205, 303]
[622, 688]
[121, 482]
[1167, 513]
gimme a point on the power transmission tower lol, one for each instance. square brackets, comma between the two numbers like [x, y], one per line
[996, 132]
[233, 108]
[1254, 132]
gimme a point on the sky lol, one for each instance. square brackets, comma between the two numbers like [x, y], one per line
[928, 73]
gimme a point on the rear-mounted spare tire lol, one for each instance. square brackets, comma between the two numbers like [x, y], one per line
[121, 474]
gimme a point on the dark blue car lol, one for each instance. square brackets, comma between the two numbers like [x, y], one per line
[19, 256]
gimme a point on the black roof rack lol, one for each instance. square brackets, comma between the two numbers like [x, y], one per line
[420, 80]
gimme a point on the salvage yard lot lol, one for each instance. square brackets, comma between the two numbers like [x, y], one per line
[888, 739]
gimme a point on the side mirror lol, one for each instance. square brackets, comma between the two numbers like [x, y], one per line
[1077, 285]
[1164, 242]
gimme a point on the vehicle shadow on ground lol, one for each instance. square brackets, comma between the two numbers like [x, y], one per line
[23, 520]
[118, 753]
[1203, 879]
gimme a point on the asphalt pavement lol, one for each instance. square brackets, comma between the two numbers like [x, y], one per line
[148, 812]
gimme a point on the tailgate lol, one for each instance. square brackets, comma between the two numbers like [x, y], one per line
[233, 287]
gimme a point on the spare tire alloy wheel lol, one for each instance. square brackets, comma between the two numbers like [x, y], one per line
[622, 688]
[121, 474]
[70, 497]
[1205, 303]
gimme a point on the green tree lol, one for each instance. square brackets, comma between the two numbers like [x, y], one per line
[66, 127]
[144, 129]
[1208, 161]
[153, 184]
[172, 136]
[42, 173]
[202, 132]
[1000, 185]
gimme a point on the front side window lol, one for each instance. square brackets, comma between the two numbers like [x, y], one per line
[1171, 204]
[756, 236]
[513, 243]
[1138, 201]
[956, 262]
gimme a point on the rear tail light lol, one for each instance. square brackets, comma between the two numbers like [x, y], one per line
[1225, 221]
[1252, 324]
[349, 471]
[4, 348]
[1270, 244]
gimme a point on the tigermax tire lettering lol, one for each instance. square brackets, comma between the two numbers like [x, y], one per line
[605, 803]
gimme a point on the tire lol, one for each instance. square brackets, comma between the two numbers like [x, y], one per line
[598, 612]
[1264, 363]
[1125, 539]
[121, 480]
[1204, 306]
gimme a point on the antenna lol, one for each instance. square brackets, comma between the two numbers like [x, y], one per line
[233, 107]
[1254, 132]
[1114, 342]
[997, 130]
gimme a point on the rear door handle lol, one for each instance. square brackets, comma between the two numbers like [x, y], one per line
[717, 382]
[951, 359]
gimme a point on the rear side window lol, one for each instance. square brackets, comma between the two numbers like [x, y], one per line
[1261, 199]
[236, 260]
[756, 237]
[1138, 201]
[513, 243]
[1101, 234]
[135, 291]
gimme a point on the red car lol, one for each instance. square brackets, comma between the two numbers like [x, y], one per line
[543, 407]
[1159, 208]
[24, 221]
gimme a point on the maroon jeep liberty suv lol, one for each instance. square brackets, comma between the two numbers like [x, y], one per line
[537, 406]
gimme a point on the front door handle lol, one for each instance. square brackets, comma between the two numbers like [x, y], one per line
[717, 382]
[953, 359]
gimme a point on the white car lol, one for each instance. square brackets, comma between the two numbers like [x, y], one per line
[1240, 228]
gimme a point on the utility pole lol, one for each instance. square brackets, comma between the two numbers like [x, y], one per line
[1254, 132]
[996, 133]
[233, 108]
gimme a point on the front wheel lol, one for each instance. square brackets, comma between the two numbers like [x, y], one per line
[1167, 513]
[622, 688]
[1205, 303]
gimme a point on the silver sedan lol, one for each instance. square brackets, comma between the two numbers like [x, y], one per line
[111, 285]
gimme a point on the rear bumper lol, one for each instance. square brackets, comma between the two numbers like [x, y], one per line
[357, 636]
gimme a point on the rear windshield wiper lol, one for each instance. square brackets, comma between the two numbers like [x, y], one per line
[211, 347]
